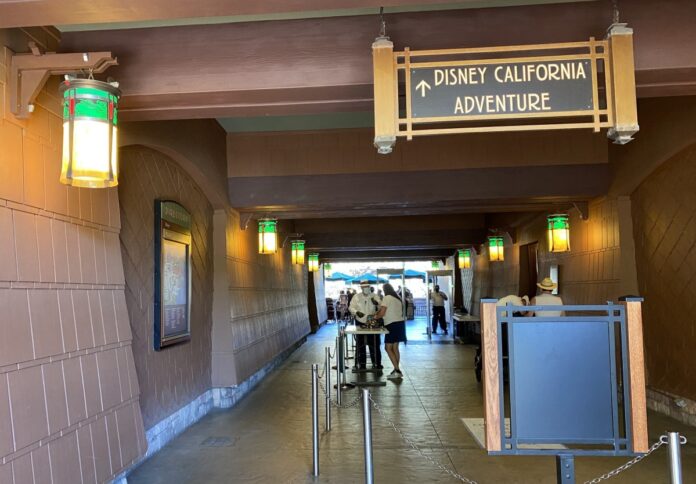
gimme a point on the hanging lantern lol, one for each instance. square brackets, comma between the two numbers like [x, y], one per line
[496, 249]
[559, 232]
[435, 264]
[327, 270]
[298, 252]
[464, 258]
[313, 262]
[268, 237]
[90, 146]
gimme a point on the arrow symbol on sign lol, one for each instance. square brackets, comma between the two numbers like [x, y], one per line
[423, 86]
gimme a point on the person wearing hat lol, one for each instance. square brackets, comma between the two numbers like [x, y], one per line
[363, 305]
[546, 298]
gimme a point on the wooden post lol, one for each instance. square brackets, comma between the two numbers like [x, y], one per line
[623, 82]
[636, 372]
[491, 374]
[386, 107]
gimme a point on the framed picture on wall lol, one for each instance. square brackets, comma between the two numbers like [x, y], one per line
[172, 321]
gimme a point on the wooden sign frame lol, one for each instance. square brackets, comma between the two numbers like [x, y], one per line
[617, 112]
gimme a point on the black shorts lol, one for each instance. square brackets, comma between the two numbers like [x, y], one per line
[397, 332]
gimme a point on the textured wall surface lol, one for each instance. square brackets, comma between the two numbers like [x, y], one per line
[664, 223]
[589, 273]
[268, 299]
[68, 389]
[177, 374]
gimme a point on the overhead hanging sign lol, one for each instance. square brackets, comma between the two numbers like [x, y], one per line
[567, 85]
[501, 88]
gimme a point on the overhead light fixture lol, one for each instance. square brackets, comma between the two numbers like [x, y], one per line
[268, 236]
[496, 248]
[559, 232]
[313, 262]
[90, 133]
[464, 258]
[435, 264]
[298, 252]
[327, 270]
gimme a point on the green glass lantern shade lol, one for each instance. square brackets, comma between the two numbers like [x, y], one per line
[464, 258]
[90, 133]
[558, 232]
[268, 236]
[327, 270]
[496, 249]
[298, 252]
[313, 262]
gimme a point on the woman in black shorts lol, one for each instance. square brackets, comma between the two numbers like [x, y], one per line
[391, 310]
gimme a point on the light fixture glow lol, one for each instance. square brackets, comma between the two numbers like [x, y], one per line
[327, 270]
[268, 237]
[559, 232]
[313, 262]
[90, 133]
[496, 249]
[298, 253]
[464, 258]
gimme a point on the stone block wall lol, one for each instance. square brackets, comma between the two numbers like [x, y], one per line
[69, 393]
[176, 375]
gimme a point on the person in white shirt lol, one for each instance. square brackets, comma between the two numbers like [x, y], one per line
[391, 310]
[546, 299]
[438, 299]
[363, 305]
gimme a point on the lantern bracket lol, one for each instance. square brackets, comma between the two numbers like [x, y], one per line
[295, 235]
[503, 231]
[583, 208]
[244, 219]
[29, 73]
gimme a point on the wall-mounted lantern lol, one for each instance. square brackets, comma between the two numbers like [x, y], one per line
[298, 253]
[268, 236]
[559, 232]
[496, 248]
[435, 264]
[464, 258]
[327, 270]
[90, 128]
[313, 262]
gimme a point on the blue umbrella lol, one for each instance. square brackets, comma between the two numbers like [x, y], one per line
[409, 274]
[371, 278]
[339, 276]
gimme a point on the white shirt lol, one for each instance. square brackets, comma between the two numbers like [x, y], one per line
[394, 309]
[363, 304]
[545, 299]
[438, 298]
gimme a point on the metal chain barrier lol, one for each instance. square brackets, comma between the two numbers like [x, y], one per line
[615, 472]
[350, 404]
[415, 447]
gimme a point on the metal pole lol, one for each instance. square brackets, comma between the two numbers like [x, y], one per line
[327, 392]
[367, 428]
[565, 469]
[339, 359]
[315, 420]
[675, 468]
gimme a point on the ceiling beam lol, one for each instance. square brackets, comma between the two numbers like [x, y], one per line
[323, 65]
[380, 240]
[385, 255]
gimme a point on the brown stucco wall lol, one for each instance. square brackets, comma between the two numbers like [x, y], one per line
[664, 222]
[174, 376]
[69, 393]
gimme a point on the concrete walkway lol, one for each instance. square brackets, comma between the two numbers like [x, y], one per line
[266, 438]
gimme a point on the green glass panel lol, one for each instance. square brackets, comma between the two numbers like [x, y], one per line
[267, 226]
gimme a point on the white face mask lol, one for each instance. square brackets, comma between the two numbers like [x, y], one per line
[366, 290]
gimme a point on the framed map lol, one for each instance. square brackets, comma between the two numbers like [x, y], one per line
[172, 274]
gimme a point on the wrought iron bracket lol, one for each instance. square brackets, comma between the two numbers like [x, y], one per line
[295, 235]
[583, 208]
[29, 72]
[244, 219]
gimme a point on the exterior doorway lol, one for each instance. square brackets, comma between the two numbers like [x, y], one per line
[529, 269]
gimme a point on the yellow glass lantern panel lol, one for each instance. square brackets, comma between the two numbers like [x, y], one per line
[313, 262]
[559, 233]
[90, 134]
[298, 252]
[496, 249]
[268, 237]
[464, 258]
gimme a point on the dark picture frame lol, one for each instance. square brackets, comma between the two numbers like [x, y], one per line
[172, 308]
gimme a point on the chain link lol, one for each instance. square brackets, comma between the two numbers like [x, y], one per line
[416, 448]
[615, 472]
[350, 404]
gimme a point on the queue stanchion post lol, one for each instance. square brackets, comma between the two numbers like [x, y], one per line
[367, 432]
[315, 420]
[337, 351]
[674, 441]
[342, 363]
[327, 388]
